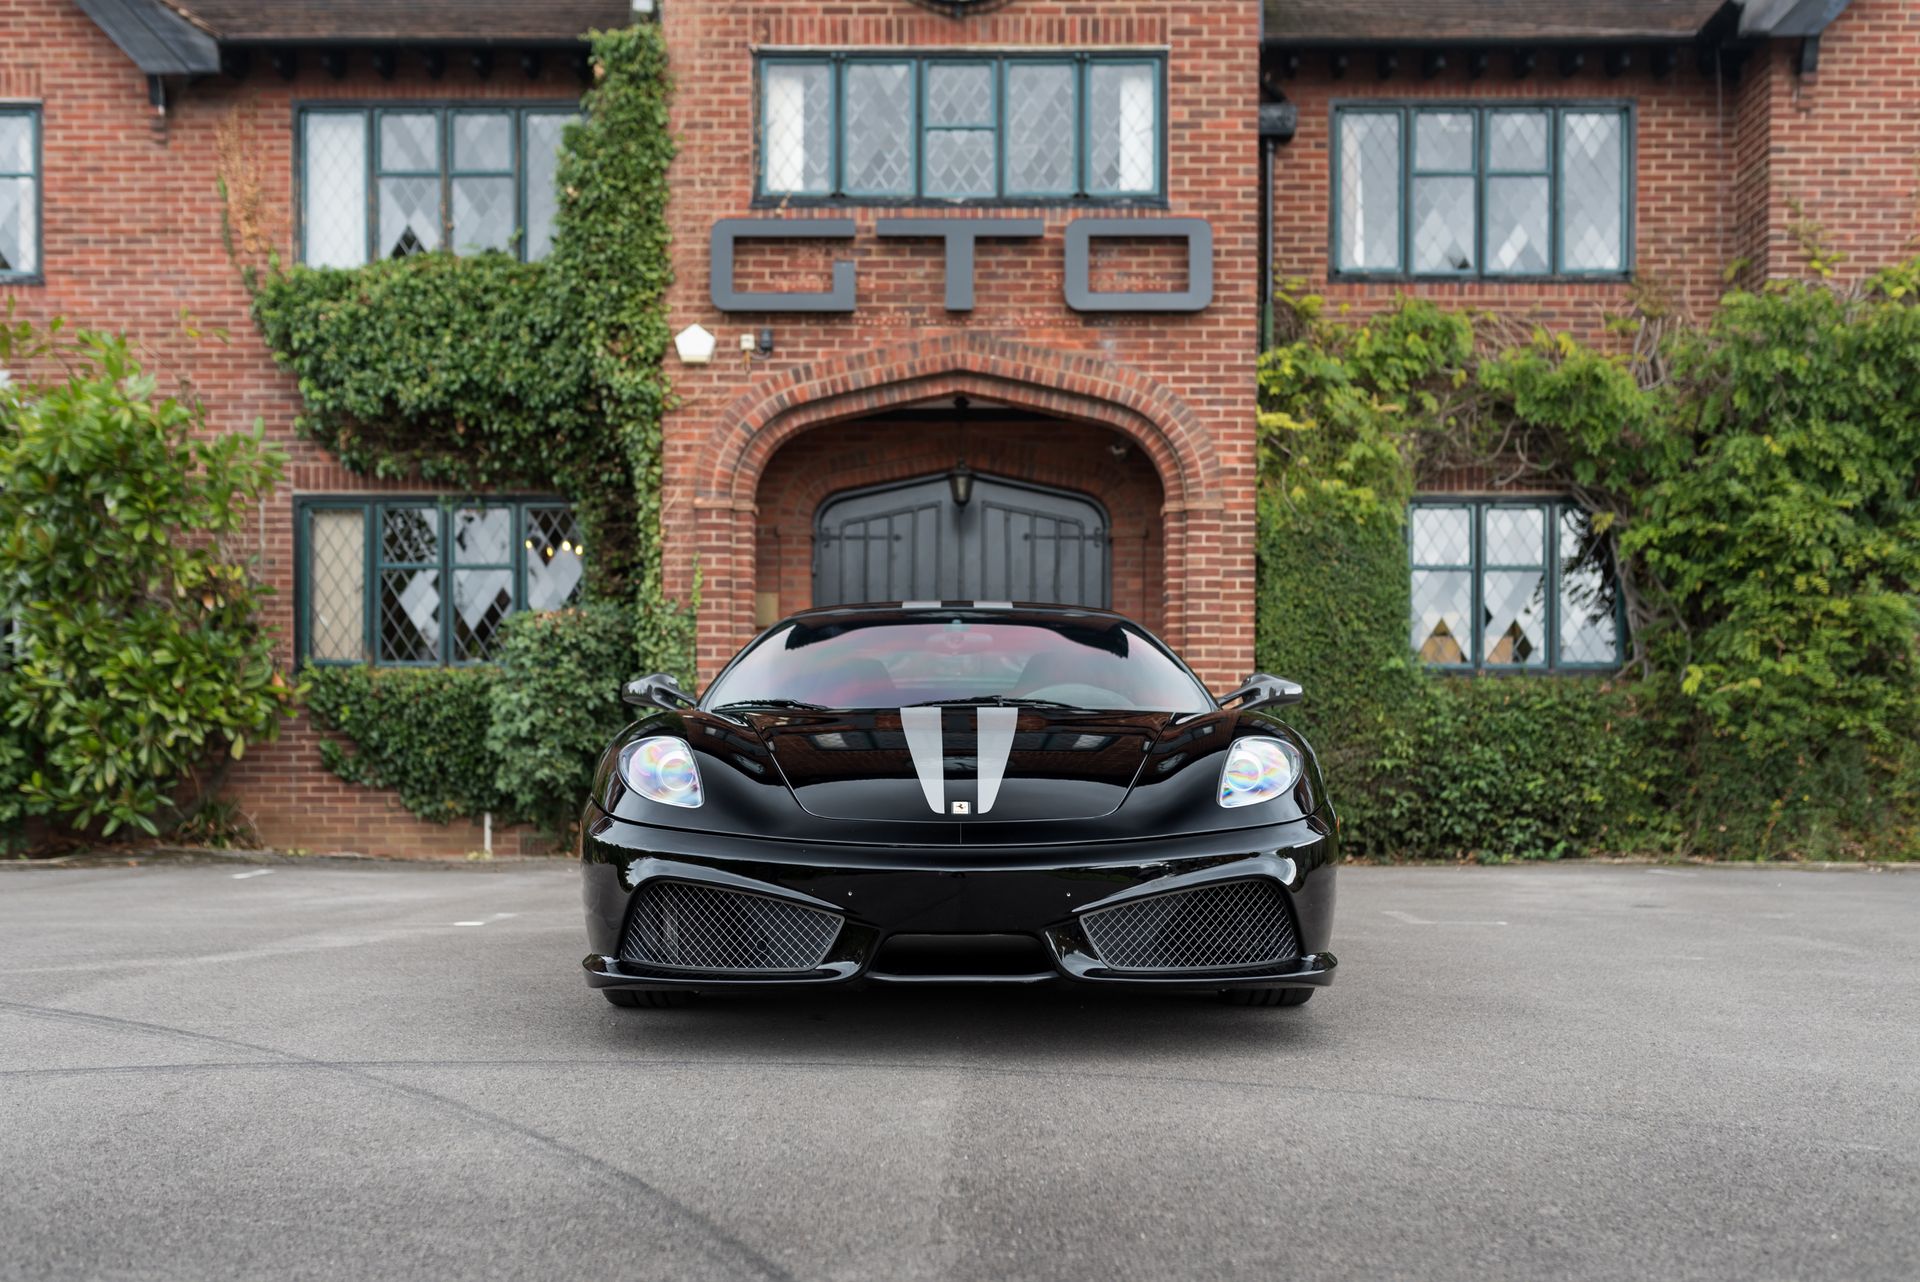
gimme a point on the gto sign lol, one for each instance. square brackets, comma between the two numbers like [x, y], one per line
[960, 235]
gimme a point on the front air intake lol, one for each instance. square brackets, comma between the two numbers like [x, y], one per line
[688, 926]
[1228, 925]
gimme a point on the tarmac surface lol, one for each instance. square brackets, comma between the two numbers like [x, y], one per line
[349, 1071]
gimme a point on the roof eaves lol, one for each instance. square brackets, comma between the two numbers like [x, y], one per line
[1785, 19]
[158, 40]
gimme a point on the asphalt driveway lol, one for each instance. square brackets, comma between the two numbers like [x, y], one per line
[388, 1071]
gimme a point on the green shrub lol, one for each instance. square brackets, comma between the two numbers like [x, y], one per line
[140, 663]
[1757, 478]
[420, 731]
[1497, 768]
[556, 706]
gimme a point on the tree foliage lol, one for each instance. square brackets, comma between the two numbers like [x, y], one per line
[138, 657]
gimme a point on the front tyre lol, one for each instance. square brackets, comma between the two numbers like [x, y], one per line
[632, 998]
[1267, 996]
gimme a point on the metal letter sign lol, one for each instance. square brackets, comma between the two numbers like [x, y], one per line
[727, 230]
[1083, 297]
[960, 234]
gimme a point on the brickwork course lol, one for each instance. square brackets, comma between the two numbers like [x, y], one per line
[1750, 125]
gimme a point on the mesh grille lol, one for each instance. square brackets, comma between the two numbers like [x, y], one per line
[1229, 924]
[690, 927]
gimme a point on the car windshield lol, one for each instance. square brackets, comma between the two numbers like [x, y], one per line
[1093, 663]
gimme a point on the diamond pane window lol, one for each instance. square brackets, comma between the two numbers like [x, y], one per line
[409, 142]
[1592, 188]
[878, 129]
[1123, 128]
[979, 127]
[334, 196]
[438, 581]
[390, 182]
[19, 192]
[553, 553]
[1369, 191]
[1042, 122]
[796, 140]
[337, 584]
[960, 151]
[1499, 584]
[1589, 619]
[1479, 189]
[543, 133]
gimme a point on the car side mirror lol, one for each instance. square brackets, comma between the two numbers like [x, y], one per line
[1264, 690]
[660, 690]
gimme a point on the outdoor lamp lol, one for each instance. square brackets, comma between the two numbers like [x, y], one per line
[960, 481]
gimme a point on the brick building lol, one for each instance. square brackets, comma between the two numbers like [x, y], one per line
[1065, 340]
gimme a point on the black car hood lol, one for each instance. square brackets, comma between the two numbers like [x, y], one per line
[927, 764]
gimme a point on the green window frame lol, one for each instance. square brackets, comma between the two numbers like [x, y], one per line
[1494, 191]
[965, 128]
[20, 194]
[1511, 585]
[385, 180]
[400, 580]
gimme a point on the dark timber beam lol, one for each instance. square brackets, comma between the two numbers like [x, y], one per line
[383, 63]
[1524, 61]
[1432, 63]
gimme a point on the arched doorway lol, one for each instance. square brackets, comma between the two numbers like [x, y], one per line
[962, 536]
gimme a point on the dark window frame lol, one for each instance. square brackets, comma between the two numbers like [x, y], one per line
[34, 113]
[1477, 505]
[1481, 109]
[370, 507]
[919, 59]
[370, 110]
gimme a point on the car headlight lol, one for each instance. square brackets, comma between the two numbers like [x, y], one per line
[1259, 770]
[662, 769]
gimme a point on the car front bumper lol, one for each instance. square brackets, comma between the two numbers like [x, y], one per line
[1043, 893]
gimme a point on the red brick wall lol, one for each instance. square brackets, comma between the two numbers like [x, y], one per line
[131, 241]
[1070, 456]
[1842, 144]
[1180, 387]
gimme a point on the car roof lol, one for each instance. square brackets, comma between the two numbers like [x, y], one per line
[907, 611]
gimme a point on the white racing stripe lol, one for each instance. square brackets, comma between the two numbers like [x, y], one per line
[922, 727]
[993, 733]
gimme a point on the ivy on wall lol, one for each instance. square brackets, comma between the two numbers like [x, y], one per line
[483, 373]
[1755, 483]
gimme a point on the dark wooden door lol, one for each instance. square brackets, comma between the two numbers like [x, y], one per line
[911, 542]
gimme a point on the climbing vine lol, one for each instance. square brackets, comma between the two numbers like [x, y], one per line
[1756, 496]
[483, 373]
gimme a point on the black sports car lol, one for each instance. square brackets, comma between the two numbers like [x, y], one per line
[941, 792]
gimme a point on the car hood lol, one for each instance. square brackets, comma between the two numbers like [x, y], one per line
[927, 764]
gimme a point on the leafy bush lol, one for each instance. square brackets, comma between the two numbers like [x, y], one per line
[419, 731]
[1508, 768]
[556, 706]
[139, 657]
[1757, 479]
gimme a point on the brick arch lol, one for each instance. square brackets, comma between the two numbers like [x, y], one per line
[1069, 385]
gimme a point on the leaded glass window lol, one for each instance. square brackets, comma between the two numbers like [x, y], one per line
[19, 193]
[1511, 585]
[392, 181]
[424, 581]
[1481, 190]
[960, 128]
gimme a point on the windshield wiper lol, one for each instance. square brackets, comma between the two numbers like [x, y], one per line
[793, 705]
[997, 701]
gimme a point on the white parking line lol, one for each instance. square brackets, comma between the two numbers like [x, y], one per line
[257, 872]
[485, 920]
[1411, 920]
